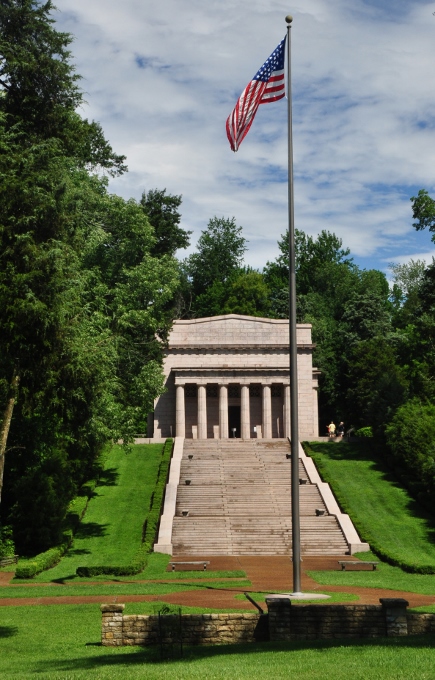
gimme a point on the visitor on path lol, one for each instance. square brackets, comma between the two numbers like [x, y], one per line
[340, 429]
[331, 429]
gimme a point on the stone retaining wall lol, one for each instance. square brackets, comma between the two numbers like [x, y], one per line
[194, 629]
[418, 624]
[284, 622]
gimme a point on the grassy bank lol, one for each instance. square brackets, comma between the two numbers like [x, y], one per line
[111, 531]
[61, 642]
[384, 514]
[386, 577]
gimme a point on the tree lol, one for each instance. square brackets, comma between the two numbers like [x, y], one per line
[163, 215]
[423, 210]
[214, 266]
[411, 440]
[248, 294]
[39, 86]
[325, 279]
[407, 280]
[82, 299]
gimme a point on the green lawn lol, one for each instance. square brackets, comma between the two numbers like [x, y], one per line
[62, 643]
[111, 531]
[383, 512]
[386, 576]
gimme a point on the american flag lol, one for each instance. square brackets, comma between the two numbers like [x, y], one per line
[266, 86]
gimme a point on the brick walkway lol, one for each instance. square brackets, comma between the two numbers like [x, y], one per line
[265, 573]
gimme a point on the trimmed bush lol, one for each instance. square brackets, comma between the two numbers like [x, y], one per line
[150, 526]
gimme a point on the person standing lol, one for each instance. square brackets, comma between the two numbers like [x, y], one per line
[331, 429]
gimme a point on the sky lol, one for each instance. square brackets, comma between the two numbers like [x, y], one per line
[162, 78]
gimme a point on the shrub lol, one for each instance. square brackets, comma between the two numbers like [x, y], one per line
[7, 546]
[411, 442]
[364, 432]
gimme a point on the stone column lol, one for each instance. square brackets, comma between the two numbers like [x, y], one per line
[267, 412]
[396, 622]
[286, 409]
[223, 411]
[202, 412]
[279, 608]
[111, 627]
[180, 414]
[244, 413]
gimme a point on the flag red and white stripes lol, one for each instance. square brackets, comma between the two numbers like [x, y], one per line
[268, 85]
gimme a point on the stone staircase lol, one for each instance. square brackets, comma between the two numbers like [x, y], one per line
[238, 502]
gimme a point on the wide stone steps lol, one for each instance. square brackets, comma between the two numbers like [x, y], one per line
[234, 498]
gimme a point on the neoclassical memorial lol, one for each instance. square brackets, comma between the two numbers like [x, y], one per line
[228, 376]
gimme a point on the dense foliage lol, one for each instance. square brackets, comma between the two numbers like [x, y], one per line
[84, 294]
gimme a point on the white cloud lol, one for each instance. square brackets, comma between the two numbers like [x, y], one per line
[163, 77]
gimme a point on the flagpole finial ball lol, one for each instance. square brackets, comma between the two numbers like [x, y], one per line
[289, 18]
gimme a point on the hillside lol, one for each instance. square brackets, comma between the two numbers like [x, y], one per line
[111, 530]
[385, 515]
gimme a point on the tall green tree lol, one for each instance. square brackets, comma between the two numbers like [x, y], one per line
[212, 269]
[162, 212]
[82, 299]
[248, 294]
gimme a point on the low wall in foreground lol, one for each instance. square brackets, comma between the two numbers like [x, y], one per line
[284, 622]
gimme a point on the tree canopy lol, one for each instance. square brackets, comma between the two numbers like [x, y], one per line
[84, 296]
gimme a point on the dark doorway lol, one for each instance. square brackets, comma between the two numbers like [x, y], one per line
[234, 421]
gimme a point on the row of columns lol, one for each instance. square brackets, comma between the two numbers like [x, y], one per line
[245, 425]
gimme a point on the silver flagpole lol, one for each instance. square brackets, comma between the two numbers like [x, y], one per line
[293, 348]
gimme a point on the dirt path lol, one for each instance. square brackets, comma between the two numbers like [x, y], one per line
[267, 574]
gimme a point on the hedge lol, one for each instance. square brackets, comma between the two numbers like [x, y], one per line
[150, 526]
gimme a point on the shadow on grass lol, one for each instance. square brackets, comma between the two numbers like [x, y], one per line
[363, 451]
[90, 530]
[8, 631]
[151, 655]
[109, 477]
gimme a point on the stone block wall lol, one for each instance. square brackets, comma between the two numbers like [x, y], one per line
[284, 622]
[420, 624]
[196, 629]
[320, 621]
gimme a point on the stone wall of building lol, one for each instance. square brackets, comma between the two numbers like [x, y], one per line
[284, 622]
[234, 349]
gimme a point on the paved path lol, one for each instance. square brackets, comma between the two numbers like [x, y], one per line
[265, 573]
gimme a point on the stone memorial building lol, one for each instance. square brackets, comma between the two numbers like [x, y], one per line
[228, 376]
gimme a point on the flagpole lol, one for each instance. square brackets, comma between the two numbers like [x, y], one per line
[293, 348]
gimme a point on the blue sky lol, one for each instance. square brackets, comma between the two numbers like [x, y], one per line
[163, 77]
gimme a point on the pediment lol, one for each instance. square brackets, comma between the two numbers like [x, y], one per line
[234, 330]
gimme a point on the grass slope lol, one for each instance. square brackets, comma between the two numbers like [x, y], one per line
[384, 514]
[386, 576]
[111, 531]
[60, 642]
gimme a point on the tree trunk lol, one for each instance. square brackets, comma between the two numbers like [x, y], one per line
[6, 423]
